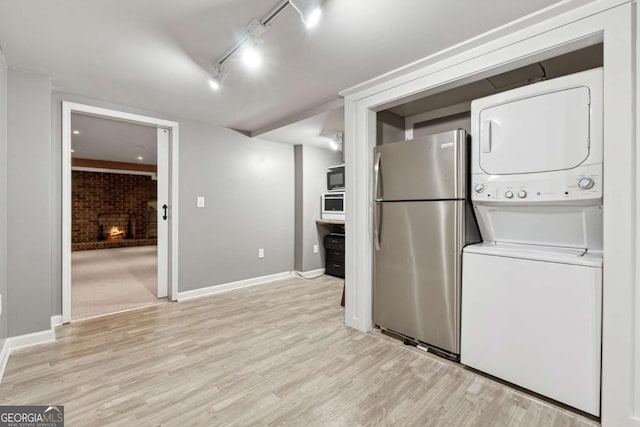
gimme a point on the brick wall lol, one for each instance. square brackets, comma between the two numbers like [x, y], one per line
[95, 194]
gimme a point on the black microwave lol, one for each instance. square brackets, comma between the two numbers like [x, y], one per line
[335, 178]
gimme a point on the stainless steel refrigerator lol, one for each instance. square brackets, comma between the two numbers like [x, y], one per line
[422, 220]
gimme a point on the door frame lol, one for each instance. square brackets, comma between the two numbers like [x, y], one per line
[71, 107]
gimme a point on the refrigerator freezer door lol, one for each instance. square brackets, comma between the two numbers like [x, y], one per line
[429, 168]
[417, 270]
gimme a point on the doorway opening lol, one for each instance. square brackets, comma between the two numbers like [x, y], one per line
[114, 227]
[119, 193]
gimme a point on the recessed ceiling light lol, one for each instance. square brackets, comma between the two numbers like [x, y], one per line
[76, 132]
[140, 158]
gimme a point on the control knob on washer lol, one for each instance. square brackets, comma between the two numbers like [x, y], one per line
[508, 195]
[479, 188]
[522, 194]
[586, 183]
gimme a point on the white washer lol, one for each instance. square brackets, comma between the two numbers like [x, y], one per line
[532, 291]
[531, 316]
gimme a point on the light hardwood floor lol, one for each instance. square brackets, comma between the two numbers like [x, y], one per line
[277, 354]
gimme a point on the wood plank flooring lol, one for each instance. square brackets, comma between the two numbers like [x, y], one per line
[276, 354]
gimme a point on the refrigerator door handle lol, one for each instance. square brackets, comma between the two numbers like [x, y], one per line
[376, 176]
[377, 217]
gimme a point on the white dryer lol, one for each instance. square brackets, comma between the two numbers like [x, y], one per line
[532, 291]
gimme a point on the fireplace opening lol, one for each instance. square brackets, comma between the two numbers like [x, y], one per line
[116, 234]
[116, 227]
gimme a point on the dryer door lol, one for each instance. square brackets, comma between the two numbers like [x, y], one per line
[548, 132]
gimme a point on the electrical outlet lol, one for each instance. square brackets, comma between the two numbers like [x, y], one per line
[315, 249]
[260, 253]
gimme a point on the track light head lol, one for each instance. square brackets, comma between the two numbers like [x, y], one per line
[310, 11]
[336, 143]
[251, 55]
[218, 77]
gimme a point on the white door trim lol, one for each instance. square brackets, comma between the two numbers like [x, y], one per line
[71, 107]
[611, 21]
[162, 183]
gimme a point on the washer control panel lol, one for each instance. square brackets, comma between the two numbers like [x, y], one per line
[578, 184]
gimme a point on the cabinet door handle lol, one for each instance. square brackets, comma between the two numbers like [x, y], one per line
[165, 207]
[337, 265]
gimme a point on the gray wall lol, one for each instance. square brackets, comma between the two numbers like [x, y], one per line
[315, 162]
[28, 203]
[389, 127]
[3, 198]
[457, 121]
[249, 189]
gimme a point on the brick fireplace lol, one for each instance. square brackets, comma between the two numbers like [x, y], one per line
[112, 210]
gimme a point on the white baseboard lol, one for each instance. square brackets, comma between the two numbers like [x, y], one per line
[218, 289]
[23, 341]
[28, 340]
[311, 274]
[56, 321]
[4, 357]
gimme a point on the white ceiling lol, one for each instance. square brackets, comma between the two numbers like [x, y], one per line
[156, 54]
[317, 130]
[104, 139]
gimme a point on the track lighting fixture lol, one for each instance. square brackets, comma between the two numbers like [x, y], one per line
[310, 11]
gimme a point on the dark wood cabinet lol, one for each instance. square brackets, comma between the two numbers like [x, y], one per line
[334, 254]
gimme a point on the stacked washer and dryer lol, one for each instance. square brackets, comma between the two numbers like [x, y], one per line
[532, 290]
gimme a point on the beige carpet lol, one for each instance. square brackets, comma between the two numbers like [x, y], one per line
[110, 280]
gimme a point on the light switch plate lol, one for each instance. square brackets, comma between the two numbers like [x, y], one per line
[200, 202]
[260, 253]
[315, 249]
